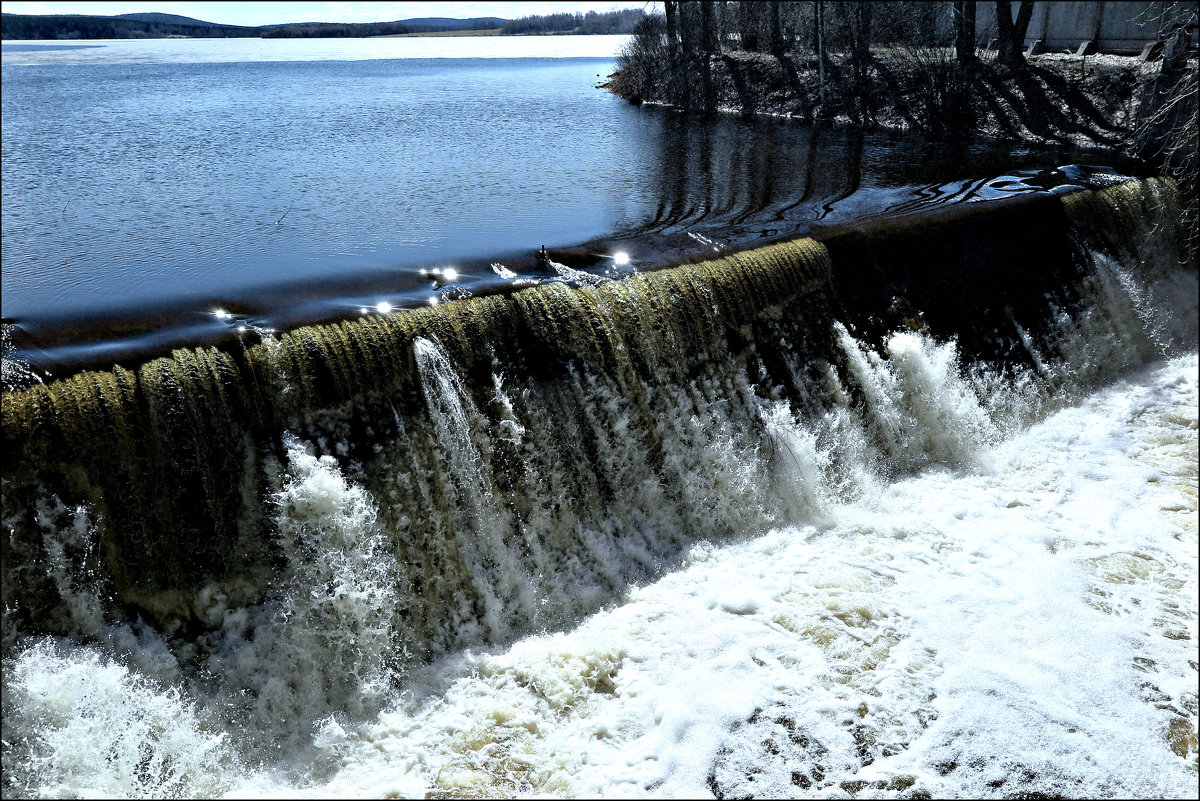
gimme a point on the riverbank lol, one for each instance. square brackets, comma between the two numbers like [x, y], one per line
[1059, 99]
[1118, 103]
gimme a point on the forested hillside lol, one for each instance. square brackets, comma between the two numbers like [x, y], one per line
[607, 22]
[160, 26]
[133, 26]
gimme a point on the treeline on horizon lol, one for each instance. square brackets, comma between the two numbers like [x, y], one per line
[359, 30]
[73, 26]
[81, 26]
[604, 22]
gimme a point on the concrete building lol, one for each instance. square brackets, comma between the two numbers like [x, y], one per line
[1115, 27]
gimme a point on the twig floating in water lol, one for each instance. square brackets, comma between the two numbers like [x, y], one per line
[286, 213]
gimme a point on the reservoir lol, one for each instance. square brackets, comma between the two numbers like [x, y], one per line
[149, 184]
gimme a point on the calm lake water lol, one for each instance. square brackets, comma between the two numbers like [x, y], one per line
[148, 183]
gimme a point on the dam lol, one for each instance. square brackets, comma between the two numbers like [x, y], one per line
[380, 555]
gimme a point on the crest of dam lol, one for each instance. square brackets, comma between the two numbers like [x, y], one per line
[468, 472]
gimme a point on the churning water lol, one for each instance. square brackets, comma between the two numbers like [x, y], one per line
[905, 514]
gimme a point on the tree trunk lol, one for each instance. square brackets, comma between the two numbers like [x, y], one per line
[748, 26]
[723, 25]
[674, 70]
[708, 28]
[861, 21]
[964, 31]
[679, 94]
[776, 29]
[821, 49]
[1024, 14]
[708, 45]
[1004, 28]
[1010, 34]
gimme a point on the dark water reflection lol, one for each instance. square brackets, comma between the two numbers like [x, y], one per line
[138, 199]
[737, 182]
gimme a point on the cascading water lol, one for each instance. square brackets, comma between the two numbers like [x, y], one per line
[299, 564]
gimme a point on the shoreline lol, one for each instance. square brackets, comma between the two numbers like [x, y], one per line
[1060, 99]
[419, 35]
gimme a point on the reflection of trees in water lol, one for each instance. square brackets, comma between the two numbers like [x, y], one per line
[735, 172]
[760, 175]
[810, 166]
[743, 175]
[853, 163]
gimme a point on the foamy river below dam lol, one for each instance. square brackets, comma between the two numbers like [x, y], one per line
[1027, 625]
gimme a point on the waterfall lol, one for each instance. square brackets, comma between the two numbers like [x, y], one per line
[301, 522]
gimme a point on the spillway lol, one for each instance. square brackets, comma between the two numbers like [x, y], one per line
[294, 528]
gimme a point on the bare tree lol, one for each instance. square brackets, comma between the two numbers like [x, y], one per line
[642, 65]
[860, 33]
[680, 41]
[749, 25]
[674, 66]
[964, 31]
[708, 46]
[776, 29]
[1168, 125]
[723, 26]
[820, 35]
[1012, 34]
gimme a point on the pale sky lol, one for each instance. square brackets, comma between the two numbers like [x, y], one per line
[273, 13]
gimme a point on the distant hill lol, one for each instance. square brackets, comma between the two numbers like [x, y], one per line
[332, 30]
[128, 26]
[154, 25]
[175, 19]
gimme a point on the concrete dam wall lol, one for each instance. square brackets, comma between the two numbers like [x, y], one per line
[510, 462]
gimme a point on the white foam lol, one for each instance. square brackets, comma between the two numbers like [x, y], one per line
[79, 724]
[1029, 628]
[1018, 617]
